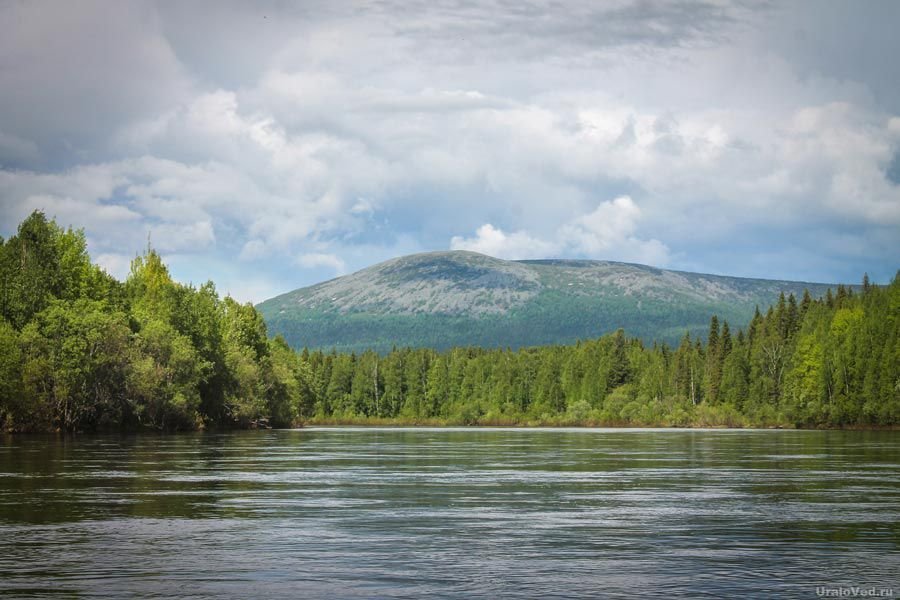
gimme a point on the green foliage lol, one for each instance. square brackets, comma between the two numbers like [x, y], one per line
[75, 364]
[43, 262]
[819, 363]
[10, 373]
[165, 386]
[80, 351]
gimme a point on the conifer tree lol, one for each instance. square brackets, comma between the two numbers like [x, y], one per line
[713, 370]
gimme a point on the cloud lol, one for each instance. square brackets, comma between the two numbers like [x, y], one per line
[16, 150]
[117, 265]
[171, 237]
[494, 242]
[610, 224]
[72, 73]
[348, 134]
[318, 259]
[253, 250]
[606, 233]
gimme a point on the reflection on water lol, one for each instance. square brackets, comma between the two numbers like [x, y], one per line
[369, 512]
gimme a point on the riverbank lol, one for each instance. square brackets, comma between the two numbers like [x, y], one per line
[561, 423]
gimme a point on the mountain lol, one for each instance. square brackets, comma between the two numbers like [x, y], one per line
[444, 299]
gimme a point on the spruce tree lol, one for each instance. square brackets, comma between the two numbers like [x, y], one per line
[713, 371]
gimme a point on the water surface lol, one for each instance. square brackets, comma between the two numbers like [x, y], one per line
[499, 513]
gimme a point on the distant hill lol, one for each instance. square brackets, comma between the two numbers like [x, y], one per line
[444, 299]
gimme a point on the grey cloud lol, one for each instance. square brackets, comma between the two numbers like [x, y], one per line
[844, 41]
[893, 169]
[70, 72]
[549, 28]
[16, 151]
[347, 133]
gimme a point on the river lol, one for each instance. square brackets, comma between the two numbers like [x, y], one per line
[450, 513]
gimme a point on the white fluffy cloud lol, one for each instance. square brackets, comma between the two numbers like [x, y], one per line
[494, 242]
[608, 232]
[313, 260]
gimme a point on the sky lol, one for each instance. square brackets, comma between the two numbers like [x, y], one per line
[272, 145]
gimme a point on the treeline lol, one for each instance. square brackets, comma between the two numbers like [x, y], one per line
[81, 351]
[832, 362]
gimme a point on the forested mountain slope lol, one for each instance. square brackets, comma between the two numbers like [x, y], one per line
[445, 299]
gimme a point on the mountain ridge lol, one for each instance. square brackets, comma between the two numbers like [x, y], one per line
[460, 298]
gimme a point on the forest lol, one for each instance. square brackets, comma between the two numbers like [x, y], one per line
[82, 351]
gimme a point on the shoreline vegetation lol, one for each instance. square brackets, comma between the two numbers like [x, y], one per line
[81, 351]
[563, 424]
